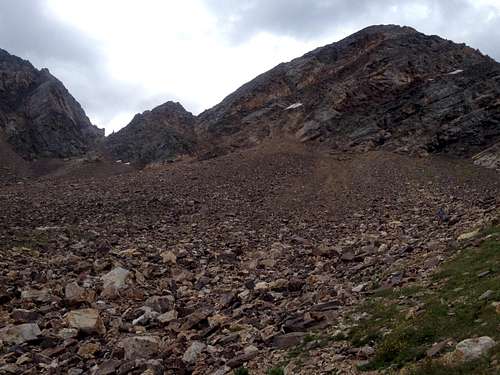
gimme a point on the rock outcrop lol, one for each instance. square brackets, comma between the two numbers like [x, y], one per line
[385, 87]
[38, 116]
[157, 135]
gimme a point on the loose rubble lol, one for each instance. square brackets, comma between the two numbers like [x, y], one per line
[205, 267]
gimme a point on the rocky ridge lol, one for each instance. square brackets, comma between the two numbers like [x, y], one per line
[156, 135]
[383, 88]
[38, 116]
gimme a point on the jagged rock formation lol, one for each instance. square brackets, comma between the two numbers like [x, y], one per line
[385, 87]
[38, 116]
[154, 135]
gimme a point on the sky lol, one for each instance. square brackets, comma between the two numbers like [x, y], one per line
[122, 57]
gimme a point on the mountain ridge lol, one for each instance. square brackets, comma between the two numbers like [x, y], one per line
[39, 116]
[349, 95]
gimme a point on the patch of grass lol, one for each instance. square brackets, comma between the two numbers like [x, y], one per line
[449, 309]
[480, 367]
[276, 371]
[241, 371]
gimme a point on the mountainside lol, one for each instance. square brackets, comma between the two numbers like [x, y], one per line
[154, 135]
[385, 87]
[38, 116]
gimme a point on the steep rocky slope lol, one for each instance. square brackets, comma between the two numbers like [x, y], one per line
[385, 87]
[199, 268]
[38, 116]
[154, 135]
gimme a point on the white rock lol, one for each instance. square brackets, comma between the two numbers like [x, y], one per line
[19, 334]
[458, 71]
[294, 106]
[472, 349]
[359, 288]
[116, 278]
[468, 236]
[193, 352]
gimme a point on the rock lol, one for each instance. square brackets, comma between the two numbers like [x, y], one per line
[240, 359]
[140, 347]
[468, 236]
[471, 350]
[365, 352]
[326, 251]
[169, 257]
[67, 333]
[88, 350]
[192, 353]
[160, 304]
[42, 295]
[167, 317]
[108, 367]
[20, 334]
[262, 286]
[148, 316]
[437, 348]
[486, 295]
[86, 320]
[25, 316]
[73, 293]
[288, 340]
[359, 288]
[114, 281]
[496, 305]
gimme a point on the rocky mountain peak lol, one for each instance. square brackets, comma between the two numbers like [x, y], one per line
[38, 115]
[384, 87]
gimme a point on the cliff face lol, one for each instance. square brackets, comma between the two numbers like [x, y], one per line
[383, 87]
[38, 116]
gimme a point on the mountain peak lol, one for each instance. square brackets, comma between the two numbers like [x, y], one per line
[38, 115]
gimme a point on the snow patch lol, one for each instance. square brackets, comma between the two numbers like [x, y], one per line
[294, 106]
[458, 71]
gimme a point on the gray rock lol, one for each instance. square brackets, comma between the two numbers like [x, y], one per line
[140, 347]
[472, 349]
[114, 281]
[20, 334]
[42, 295]
[288, 340]
[25, 316]
[160, 304]
[192, 353]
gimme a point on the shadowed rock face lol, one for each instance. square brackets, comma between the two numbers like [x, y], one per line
[385, 87]
[38, 116]
[156, 135]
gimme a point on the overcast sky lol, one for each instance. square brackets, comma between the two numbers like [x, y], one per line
[120, 57]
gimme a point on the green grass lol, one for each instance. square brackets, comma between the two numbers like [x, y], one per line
[276, 371]
[450, 309]
[241, 371]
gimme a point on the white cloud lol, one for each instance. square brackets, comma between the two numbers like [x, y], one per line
[119, 57]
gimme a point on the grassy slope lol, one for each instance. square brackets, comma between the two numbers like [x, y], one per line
[403, 324]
